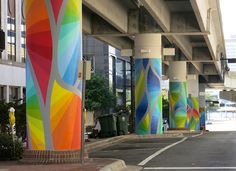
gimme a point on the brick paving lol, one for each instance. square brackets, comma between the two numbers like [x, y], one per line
[89, 165]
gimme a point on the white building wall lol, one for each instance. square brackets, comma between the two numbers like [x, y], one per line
[12, 75]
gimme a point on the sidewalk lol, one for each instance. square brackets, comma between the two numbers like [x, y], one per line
[89, 165]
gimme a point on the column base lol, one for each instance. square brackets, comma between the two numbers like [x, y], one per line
[51, 157]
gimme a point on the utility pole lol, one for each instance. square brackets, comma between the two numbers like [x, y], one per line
[132, 94]
[84, 74]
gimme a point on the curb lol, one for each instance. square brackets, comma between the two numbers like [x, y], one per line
[132, 168]
[115, 166]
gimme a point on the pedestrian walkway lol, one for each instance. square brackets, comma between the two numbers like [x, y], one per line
[89, 165]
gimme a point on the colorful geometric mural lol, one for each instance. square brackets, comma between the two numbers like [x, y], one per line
[178, 105]
[53, 103]
[196, 116]
[148, 98]
[34, 118]
[202, 117]
[189, 111]
[193, 113]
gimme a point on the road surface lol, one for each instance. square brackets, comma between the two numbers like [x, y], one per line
[211, 151]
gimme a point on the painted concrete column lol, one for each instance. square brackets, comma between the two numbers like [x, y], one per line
[178, 94]
[21, 94]
[148, 98]
[7, 94]
[202, 106]
[18, 31]
[53, 40]
[193, 117]
[4, 8]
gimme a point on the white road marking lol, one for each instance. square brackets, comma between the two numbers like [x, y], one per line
[189, 168]
[4, 169]
[142, 163]
[197, 135]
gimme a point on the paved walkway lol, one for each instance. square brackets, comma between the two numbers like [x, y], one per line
[89, 165]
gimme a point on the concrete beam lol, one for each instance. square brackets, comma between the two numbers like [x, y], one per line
[184, 22]
[111, 11]
[117, 42]
[140, 21]
[198, 66]
[209, 69]
[203, 11]
[160, 12]
[184, 45]
[87, 24]
[102, 27]
[201, 54]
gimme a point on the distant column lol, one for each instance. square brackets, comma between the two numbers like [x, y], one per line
[21, 94]
[148, 75]
[193, 102]
[178, 94]
[18, 31]
[202, 106]
[7, 94]
[4, 24]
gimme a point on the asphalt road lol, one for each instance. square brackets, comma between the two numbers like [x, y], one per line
[212, 151]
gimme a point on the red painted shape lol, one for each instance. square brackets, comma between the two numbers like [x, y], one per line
[56, 5]
[39, 47]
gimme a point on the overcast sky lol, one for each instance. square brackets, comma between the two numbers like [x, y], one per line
[228, 10]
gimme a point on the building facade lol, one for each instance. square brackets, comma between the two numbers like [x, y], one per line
[12, 59]
[230, 45]
[107, 61]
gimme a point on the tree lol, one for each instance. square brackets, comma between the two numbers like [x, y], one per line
[98, 96]
[4, 118]
[165, 108]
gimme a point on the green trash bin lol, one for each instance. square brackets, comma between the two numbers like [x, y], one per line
[108, 126]
[122, 123]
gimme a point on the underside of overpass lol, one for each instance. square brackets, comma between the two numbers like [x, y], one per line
[192, 27]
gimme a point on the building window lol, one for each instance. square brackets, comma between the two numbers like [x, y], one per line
[2, 93]
[14, 93]
[128, 83]
[22, 49]
[11, 31]
[120, 81]
[111, 73]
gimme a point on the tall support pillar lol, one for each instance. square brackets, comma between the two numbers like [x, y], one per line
[7, 94]
[53, 40]
[4, 24]
[193, 116]
[178, 94]
[202, 106]
[21, 95]
[148, 98]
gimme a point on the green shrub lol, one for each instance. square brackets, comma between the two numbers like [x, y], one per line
[8, 149]
[20, 114]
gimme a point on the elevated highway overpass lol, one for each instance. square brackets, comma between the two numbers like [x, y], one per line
[192, 27]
